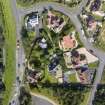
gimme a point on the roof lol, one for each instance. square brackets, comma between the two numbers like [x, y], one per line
[85, 77]
[32, 20]
[95, 5]
[90, 58]
[68, 42]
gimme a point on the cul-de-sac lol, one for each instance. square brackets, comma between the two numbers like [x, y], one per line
[52, 52]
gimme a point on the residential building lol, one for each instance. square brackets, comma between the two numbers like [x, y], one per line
[54, 22]
[68, 42]
[32, 20]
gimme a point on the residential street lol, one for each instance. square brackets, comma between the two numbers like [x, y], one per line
[72, 14]
[41, 100]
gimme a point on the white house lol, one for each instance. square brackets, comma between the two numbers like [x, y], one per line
[32, 21]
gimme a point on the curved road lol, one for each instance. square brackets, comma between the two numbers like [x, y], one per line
[41, 100]
[73, 15]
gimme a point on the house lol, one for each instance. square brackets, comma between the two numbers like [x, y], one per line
[33, 76]
[32, 20]
[95, 5]
[68, 42]
[43, 43]
[54, 22]
[78, 59]
[84, 75]
[91, 23]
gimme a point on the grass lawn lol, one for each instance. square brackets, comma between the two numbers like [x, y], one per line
[86, 97]
[97, 17]
[93, 65]
[9, 74]
[72, 78]
[80, 44]
[103, 7]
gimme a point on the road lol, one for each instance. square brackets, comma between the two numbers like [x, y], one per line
[72, 14]
[41, 100]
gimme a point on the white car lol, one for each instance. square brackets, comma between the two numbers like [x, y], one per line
[82, 31]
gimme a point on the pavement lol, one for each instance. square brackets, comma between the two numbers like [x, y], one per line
[19, 13]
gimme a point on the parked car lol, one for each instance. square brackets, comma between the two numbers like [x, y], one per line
[18, 44]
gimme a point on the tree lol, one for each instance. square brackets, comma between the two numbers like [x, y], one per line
[24, 32]
[24, 97]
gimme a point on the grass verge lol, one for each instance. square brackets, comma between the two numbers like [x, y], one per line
[10, 37]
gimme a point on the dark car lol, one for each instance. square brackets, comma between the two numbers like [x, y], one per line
[18, 44]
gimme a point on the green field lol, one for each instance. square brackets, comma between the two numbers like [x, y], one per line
[10, 39]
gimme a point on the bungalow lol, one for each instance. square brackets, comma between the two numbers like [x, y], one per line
[68, 42]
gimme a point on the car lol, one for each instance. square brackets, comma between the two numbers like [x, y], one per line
[17, 78]
[13, 103]
[18, 64]
[18, 44]
[84, 37]
[91, 51]
[82, 31]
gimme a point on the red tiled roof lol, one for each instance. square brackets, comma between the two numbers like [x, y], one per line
[68, 42]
